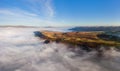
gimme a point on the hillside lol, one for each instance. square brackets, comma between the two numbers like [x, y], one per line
[89, 39]
[97, 28]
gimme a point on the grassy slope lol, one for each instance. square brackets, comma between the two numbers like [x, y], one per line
[80, 38]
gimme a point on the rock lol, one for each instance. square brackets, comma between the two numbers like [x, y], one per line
[47, 41]
[38, 34]
[57, 40]
[88, 49]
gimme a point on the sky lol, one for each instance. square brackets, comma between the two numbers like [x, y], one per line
[60, 12]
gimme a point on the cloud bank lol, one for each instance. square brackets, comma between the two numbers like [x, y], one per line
[20, 50]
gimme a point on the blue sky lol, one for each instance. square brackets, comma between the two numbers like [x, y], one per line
[60, 12]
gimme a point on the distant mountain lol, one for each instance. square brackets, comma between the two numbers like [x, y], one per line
[100, 28]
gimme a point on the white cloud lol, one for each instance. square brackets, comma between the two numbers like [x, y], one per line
[16, 12]
[21, 17]
[21, 51]
[39, 13]
[49, 8]
[41, 7]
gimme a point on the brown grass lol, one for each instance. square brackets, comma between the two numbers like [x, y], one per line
[80, 38]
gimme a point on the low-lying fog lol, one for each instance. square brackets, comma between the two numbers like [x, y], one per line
[20, 50]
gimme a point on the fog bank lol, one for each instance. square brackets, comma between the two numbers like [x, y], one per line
[20, 50]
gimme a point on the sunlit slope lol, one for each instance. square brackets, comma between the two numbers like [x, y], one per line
[79, 38]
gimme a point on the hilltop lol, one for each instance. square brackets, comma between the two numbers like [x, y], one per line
[87, 39]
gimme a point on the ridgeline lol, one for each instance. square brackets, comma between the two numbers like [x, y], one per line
[87, 39]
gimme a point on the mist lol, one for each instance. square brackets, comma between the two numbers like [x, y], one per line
[20, 50]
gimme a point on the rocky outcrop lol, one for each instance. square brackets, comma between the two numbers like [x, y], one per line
[39, 34]
[47, 41]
